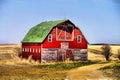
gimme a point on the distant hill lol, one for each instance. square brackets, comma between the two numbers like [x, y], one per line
[104, 44]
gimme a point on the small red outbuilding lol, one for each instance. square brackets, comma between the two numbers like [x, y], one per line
[55, 41]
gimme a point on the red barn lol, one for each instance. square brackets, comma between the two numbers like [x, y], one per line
[55, 41]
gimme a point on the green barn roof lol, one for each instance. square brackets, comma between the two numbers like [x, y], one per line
[39, 32]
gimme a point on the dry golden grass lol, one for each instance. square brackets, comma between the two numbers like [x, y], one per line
[16, 68]
[97, 56]
[90, 72]
[114, 48]
[29, 72]
[8, 47]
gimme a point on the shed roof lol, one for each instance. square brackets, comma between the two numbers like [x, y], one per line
[39, 32]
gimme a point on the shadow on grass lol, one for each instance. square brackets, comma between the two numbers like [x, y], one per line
[95, 51]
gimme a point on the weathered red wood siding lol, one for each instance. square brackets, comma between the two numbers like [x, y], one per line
[72, 44]
[35, 50]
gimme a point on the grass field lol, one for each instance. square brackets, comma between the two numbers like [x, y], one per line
[112, 71]
[94, 52]
[14, 68]
[56, 71]
[30, 72]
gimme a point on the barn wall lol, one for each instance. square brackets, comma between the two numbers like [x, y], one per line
[72, 44]
[75, 44]
[31, 49]
[57, 55]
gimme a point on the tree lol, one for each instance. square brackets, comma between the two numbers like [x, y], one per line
[106, 51]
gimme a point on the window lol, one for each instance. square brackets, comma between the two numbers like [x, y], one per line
[36, 50]
[79, 38]
[50, 38]
[27, 49]
[65, 33]
[64, 45]
[23, 49]
[33, 50]
[30, 49]
[39, 50]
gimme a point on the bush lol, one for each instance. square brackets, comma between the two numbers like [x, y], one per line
[118, 54]
[106, 51]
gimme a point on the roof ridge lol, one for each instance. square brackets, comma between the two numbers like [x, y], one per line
[55, 20]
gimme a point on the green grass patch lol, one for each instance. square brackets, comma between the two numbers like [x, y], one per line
[66, 66]
[112, 66]
[103, 62]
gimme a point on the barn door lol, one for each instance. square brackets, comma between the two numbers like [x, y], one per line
[65, 55]
[69, 55]
[61, 55]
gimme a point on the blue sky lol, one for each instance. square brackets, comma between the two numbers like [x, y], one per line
[99, 20]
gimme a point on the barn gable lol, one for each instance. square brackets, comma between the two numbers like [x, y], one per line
[38, 33]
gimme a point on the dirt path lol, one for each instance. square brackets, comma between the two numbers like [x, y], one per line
[87, 73]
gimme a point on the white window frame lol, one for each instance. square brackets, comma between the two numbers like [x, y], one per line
[30, 49]
[33, 50]
[64, 45]
[36, 50]
[79, 36]
[50, 38]
[27, 49]
[39, 50]
[57, 35]
[23, 49]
